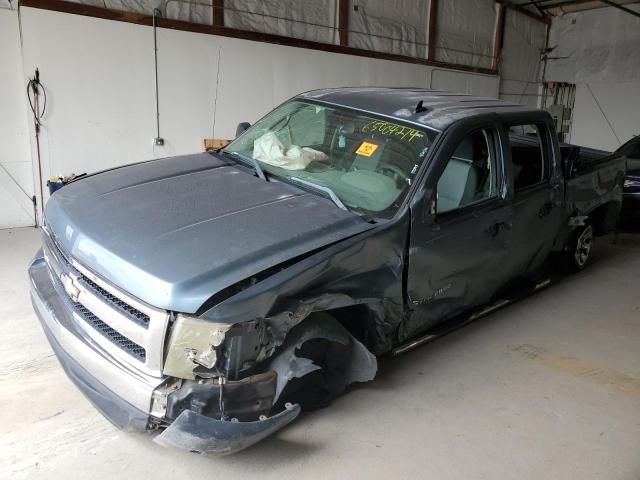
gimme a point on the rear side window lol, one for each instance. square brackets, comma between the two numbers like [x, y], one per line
[527, 155]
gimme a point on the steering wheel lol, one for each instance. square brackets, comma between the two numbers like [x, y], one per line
[394, 172]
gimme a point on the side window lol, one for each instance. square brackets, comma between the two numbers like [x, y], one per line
[470, 174]
[527, 156]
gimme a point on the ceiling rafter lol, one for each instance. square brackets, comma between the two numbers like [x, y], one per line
[543, 6]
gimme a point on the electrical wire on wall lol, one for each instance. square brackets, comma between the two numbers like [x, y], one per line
[158, 140]
[215, 98]
[36, 90]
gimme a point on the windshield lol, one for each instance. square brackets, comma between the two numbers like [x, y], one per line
[367, 162]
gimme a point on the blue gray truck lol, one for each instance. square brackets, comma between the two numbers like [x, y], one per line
[208, 298]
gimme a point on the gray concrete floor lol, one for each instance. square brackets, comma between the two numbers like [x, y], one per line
[546, 388]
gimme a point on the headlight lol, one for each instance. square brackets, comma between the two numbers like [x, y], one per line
[193, 342]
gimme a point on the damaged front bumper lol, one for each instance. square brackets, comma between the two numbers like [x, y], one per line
[125, 396]
[205, 435]
[121, 394]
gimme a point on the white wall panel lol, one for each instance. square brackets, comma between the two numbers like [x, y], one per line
[310, 19]
[595, 46]
[465, 32]
[16, 179]
[398, 27]
[520, 75]
[463, 82]
[606, 114]
[599, 51]
[195, 11]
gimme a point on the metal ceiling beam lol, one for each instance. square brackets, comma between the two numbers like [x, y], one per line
[547, 4]
[519, 8]
[498, 37]
[217, 13]
[343, 22]
[620, 7]
[432, 29]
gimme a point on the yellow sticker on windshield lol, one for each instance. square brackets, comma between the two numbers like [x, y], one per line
[366, 149]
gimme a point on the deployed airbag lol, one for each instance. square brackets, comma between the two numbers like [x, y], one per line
[269, 149]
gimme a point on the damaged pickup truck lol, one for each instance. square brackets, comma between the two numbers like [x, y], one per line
[209, 298]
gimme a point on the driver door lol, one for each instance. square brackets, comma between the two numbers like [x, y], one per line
[460, 241]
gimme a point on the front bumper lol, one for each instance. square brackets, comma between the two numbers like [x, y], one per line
[124, 396]
[121, 394]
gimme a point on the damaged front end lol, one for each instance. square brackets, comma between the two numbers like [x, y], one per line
[230, 386]
[243, 365]
[222, 386]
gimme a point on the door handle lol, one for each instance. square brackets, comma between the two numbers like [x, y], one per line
[494, 229]
[545, 209]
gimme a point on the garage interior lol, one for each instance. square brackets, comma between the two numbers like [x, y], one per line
[546, 387]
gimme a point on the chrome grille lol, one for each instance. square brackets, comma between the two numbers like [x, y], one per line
[123, 342]
[123, 307]
[135, 315]
[119, 323]
[132, 348]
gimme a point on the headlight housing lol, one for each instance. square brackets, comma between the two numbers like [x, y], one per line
[193, 342]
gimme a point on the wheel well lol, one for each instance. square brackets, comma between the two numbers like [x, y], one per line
[358, 320]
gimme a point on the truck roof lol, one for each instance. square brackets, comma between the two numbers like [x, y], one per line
[439, 108]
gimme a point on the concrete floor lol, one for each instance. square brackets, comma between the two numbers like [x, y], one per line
[546, 388]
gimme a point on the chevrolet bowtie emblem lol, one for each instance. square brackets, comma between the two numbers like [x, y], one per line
[68, 282]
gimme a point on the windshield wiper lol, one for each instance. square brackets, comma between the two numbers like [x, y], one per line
[326, 190]
[254, 162]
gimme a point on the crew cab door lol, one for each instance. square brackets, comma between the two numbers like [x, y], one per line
[461, 229]
[536, 180]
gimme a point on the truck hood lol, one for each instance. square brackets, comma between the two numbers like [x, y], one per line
[175, 231]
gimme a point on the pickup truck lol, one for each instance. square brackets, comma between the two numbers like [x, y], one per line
[208, 298]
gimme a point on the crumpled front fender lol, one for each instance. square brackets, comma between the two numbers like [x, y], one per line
[200, 434]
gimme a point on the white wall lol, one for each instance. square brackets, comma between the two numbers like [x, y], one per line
[16, 179]
[465, 26]
[394, 27]
[606, 114]
[599, 51]
[99, 78]
[524, 40]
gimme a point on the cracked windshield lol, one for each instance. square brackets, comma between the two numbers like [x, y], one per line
[361, 162]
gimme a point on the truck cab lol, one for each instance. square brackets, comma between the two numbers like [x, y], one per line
[490, 210]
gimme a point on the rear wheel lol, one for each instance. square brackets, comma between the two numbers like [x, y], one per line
[579, 252]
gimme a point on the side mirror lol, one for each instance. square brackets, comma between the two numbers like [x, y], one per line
[241, 128]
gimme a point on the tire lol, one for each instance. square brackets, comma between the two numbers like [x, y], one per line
[580, 248]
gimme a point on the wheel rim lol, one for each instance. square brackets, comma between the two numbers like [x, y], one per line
[583, 247]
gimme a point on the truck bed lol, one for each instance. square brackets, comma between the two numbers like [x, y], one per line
[578, 160]
[593, 183]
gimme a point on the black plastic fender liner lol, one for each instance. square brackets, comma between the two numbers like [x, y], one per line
[358, 365]
[209, 436]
